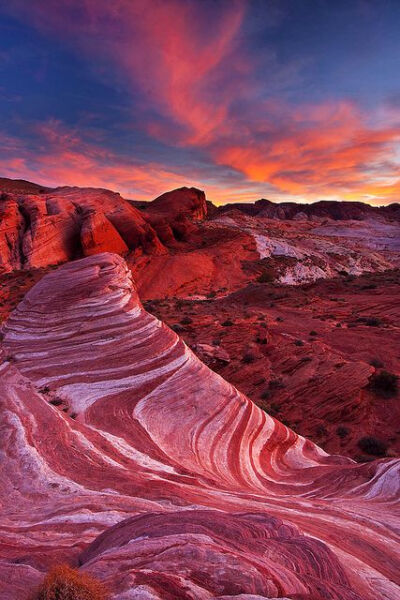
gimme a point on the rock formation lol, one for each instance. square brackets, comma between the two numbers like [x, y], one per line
[99, 235]
[52, 227]
[338, 211]
[124, 454]
[173, 214]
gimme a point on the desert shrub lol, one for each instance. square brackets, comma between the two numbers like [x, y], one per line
[299, 343]
[276, 384]
[372, 446]
[377, 363]
[261, 340]
[177, 328]
[56, 402]
[313, 332]
[64, 583]
[369, 286]
[306, 359]
[227, 323]
[186, 321]
[279, 319]
[266, 276]
[342, 431]
[321, 431]
[248, 358]
[384, 384]
[265, 395]
[373, 322]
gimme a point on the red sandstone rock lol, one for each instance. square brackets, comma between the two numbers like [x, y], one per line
[189, 202]
[180, 484]
[99, 235]
[50, 237]
[45, 229]
[11, 231]
[174, 214]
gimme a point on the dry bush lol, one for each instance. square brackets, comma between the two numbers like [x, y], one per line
[64, 583]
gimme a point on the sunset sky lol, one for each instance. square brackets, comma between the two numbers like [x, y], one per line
[286, 100]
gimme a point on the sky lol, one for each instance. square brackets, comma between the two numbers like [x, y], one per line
[291, 100]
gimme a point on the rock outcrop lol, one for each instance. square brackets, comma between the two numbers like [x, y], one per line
[99, 235]
[338, 211]
[174, 214]
[53, 227]
[124, 454]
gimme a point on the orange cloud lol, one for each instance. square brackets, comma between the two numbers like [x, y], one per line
[63, 157]
[194, 85]
[326, 150]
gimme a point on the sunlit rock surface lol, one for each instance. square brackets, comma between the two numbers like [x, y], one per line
[124, 454]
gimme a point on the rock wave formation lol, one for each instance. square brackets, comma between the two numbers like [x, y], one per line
[124, 454]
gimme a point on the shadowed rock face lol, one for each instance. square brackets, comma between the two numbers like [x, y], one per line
[338, 211]
[123, 453]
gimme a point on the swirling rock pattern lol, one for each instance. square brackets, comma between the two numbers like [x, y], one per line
[124, 454]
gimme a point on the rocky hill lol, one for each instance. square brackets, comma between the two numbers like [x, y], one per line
[123, 454]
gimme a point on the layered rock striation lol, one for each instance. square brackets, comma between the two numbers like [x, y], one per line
[124, 454]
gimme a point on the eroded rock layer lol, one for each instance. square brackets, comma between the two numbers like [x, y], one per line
[124, 454]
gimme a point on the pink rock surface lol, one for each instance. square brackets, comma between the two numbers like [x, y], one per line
[159, 477]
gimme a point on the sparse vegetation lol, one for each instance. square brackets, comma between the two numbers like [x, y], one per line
[342, 431]
[276, 384]
[56, 402]
[370, 321]
[306, 359]
[266, 276]
[227, 323]
[384, 384]
[186, 321]
[372, 446]
[313, 332]
[64, 583]
[373, 322]
[377, 363]
[299, 343]
[248, 358]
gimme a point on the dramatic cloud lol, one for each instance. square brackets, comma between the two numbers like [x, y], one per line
[231, 96]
